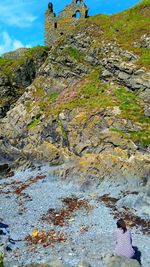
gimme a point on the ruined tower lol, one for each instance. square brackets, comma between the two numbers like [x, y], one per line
[56, 26]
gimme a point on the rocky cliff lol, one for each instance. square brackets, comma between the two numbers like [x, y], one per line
[17, 71]
[86, 101]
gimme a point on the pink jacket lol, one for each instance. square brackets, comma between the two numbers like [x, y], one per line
[124, 244]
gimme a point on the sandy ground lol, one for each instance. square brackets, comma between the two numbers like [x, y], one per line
[89, 230]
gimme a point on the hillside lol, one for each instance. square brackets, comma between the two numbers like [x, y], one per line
[130, 29]
[89, 99]
[17, 71]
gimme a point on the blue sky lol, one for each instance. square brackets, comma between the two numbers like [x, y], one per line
[22, 21]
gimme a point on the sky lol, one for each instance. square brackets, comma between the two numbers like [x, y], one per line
[22, 21]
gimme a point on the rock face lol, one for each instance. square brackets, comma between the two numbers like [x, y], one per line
[125, 71]
[17, 71]
[88, 102]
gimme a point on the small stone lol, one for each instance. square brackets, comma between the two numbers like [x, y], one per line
[139, 72]
[62, 116]
[106, 74]
[123, 76]
[84, 264]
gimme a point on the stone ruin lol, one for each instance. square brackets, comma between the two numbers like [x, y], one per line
[56, 26]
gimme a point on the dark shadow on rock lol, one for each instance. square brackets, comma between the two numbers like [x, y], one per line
[1, 232]
[8, 249]
[3, 225]
[4, 170]
[137, 255]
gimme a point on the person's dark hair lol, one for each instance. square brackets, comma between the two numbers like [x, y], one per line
[121, 224]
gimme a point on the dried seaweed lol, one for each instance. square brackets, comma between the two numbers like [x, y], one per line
[131, 219]
[62, 216]
[49, 238]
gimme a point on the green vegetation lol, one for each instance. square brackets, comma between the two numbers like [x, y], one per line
[53, 96]
[32, 52]
[63, 132]
[132, 109]
[72, 52]
[33, 124]
[145, 57]
[125, 27]
[9, 66]
[3, 60]
[1, 260]
[141, 137]
[90, 95]
[131, 106]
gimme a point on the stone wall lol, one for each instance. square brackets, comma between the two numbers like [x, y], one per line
[56, 26]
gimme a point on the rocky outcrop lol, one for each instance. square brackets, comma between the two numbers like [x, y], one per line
[120, 65]
[143, 42]
[88, 102]
[100, 138]
[17, 71]
[126, 73]
[117, 64]
[15, 54]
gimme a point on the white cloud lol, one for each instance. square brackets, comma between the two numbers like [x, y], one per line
[9, 44]
[16, 13]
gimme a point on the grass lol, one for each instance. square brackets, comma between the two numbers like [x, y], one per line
[3, 60]
[141, 137]
[33, 124]
[125, 27]
[92, 94]
[1, 260]
[53, 96]
[131, 106]
[72, 52]
[145, 57]
[132, 109]
[64, 134]
[10, 66]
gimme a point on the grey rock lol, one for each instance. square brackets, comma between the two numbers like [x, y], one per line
[148, 188]
[123, 76]
[145, 95]
[106, 74]
[147, 112]
[15, 54]
[122, 262]
[84, 264]
[139, 72]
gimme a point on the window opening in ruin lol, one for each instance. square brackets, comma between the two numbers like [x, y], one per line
[86, 14]
[78, 2]
[55, 25]
[78, 14]
[61, 33]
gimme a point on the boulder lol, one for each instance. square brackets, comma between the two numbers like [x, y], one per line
[122, 262]
[46, 152]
